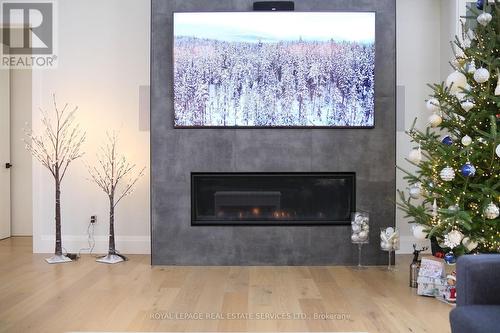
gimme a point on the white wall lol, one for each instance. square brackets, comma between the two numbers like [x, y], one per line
[103, 59]
[424, 30]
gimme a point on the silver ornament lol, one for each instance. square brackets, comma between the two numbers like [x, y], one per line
[466, 140]
[415, 191]
[466, 43]
[497, 89]
[467, 105]
[433, 105]
[456, 81]
[419, 232]
[435, 120]
[415, 155]
[497, 150]
[460, 96]
[491, 211]
[469, 243]
[481, 75]
[363, 235]
[447, 174]
[484, 19]
[471, 67]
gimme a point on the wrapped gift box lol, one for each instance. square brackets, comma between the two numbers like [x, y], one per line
[431, 280]
[431, 286]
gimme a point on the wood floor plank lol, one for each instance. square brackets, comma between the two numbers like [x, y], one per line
[133, 296]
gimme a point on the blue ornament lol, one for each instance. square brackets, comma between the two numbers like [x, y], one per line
[468, 170]
[480, 4]
[450, 258]
[447, 140]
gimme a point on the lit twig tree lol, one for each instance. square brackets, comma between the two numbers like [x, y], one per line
[116, 177]
[58, 144]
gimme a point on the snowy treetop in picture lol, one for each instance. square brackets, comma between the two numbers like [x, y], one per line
[274, 69]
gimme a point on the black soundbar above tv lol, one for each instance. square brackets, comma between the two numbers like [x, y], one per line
[274, 6]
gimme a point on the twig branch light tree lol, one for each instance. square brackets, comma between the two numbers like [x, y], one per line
[116, 177]
[56, 147]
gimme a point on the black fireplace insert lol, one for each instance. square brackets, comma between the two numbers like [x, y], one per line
[272, 198]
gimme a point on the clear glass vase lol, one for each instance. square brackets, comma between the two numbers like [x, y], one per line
[389, 241]
[360, 232]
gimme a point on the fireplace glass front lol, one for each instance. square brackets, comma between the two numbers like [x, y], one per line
[272, 198]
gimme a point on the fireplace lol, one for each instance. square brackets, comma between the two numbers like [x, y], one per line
[272, 198]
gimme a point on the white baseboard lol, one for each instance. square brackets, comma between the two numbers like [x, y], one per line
[406, 245]
[74, 243]
[142, 244]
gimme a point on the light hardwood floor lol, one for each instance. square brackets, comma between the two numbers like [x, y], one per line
[133, 296]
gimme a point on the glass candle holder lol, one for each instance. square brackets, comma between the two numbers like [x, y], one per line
[360, 231]
[389, 241]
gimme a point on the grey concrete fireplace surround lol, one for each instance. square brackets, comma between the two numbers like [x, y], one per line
[175, 153]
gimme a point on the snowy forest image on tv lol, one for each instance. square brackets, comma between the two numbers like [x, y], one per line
[274, 69]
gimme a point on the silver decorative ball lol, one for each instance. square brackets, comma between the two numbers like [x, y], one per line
[491, 211]
[484, 19]
[466, 140]
[415, 191]
[433, 105]
[456, 81]
[481, 75]
[415, 155]
[467, 105]
[435, 120]
[471, 68]
[447, 174]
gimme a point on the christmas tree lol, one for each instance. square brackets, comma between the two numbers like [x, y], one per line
[454, 194]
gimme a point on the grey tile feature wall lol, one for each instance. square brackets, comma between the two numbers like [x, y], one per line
[175, 153]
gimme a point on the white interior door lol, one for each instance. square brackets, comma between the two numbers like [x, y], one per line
[4, 153]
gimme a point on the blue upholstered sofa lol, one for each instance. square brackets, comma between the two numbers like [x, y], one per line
[478, 295]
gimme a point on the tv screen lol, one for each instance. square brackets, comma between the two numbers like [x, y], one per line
[274, 69]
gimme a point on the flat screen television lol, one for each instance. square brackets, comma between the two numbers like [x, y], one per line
[274, 69]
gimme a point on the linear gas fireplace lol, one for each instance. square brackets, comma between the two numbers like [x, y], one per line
[272, 198]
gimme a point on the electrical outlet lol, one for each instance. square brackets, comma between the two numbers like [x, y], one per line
[93, 219]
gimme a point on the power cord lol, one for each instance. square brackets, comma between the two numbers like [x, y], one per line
[90, 236]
